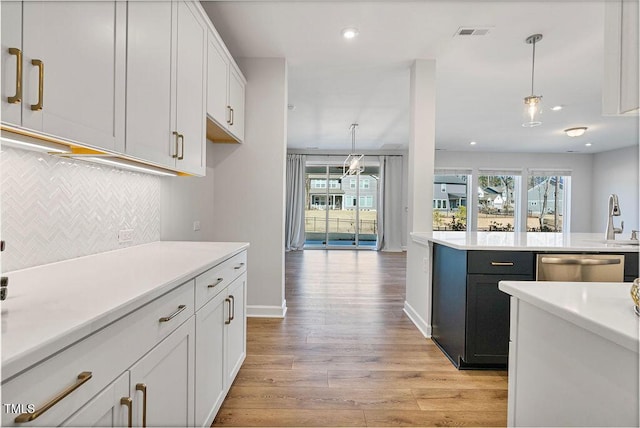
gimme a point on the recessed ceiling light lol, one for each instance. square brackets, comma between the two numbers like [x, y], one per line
[556, 108]
[473, 143]
[576, 132]
[588, 144]
[350, 33]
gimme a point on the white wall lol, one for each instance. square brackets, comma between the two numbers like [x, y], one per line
[185, 200]
[581, 166]
[249, 184]
[616, 171]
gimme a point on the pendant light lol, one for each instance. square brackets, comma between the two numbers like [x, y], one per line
[532, 103]
[354, 163]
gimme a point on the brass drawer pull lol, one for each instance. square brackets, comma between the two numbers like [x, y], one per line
[175, 155]
[127, 401]
[501, 263]
[232, 315]
[239, 266]
[18, 96]
[232, 115]
[142, 387]
[173, 315]
[28, 417]
[38, 63]
[228, 321]
[218, 281]
[181, 138]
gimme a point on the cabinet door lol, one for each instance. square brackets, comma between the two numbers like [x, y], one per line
[236, 101]
[210, 327]
[487, 324]
[236, 331]
[11, 14]
[149, 122]
[82, 48]
[217, 83]
[191, 101]
[105, 409]
[165, 376]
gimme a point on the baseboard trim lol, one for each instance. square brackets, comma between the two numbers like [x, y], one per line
[417, 320]
[263, 311]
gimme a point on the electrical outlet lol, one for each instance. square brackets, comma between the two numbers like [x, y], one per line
[125, 235]
[425, 265]
[196, 225]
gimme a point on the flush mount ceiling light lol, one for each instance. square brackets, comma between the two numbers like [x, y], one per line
[576, 132]
[533, 103]
[350, 33]
[473, 143]
[354, 163]
[557, 108]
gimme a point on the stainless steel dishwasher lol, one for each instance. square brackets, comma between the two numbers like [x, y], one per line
[580, 267]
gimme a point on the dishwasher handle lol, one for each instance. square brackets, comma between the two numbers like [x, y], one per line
[570, 261]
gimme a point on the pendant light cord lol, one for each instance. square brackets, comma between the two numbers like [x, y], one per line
[533, 66]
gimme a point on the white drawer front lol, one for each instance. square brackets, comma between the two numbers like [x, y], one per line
[105, 354]
[211, 282]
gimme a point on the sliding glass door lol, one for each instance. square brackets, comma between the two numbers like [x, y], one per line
[340, 211]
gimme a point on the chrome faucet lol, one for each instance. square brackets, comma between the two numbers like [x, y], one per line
[614, 211]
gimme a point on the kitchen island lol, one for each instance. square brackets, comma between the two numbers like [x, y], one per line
[469, 314]
[573, 354]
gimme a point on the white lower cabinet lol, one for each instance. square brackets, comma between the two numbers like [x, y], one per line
[164, 364]
[110, 408]
[162, 381]
[219, 322]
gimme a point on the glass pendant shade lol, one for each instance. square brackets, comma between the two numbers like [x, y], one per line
[532, 111]
[354, 163]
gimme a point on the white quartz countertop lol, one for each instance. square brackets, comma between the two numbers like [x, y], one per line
[52, 306]
[527, 241]
[605, 309]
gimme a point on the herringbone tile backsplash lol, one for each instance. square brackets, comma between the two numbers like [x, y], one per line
[55, 209]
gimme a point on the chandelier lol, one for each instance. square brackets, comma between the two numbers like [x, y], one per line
[354, 163]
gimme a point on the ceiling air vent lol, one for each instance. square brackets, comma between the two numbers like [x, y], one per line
[468, 31]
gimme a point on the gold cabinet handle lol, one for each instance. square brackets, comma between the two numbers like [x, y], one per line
[501, 263]
[233, 306]
[38, 63]
[239, 266]
[175, 154]
[127, 401]
[28, 417]
[181, 138]
[218, 281]
[228, 321]
[173, 315]
[231, 116]
[18, 96]
[143, 387]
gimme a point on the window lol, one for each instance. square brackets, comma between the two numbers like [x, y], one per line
[546, 200]
[364, 183]
[497, 200]
[318, 184]
[450, 199]
[366, 201]
[352, 183]
[334, 184]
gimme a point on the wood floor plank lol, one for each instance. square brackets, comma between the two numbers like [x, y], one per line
[346, 354]
[270, 377]
[421, 418]
[293, 397]
[289, 418]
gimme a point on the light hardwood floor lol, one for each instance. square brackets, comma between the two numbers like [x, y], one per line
[347, 355]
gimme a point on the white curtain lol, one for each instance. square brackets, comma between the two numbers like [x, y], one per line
[390, 204]
[294, 223]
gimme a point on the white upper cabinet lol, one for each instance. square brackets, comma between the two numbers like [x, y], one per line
[620, 86]
[166, 85]
[73, 69]
[225, 95]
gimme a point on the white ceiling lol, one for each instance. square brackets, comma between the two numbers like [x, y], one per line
[481, 80]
